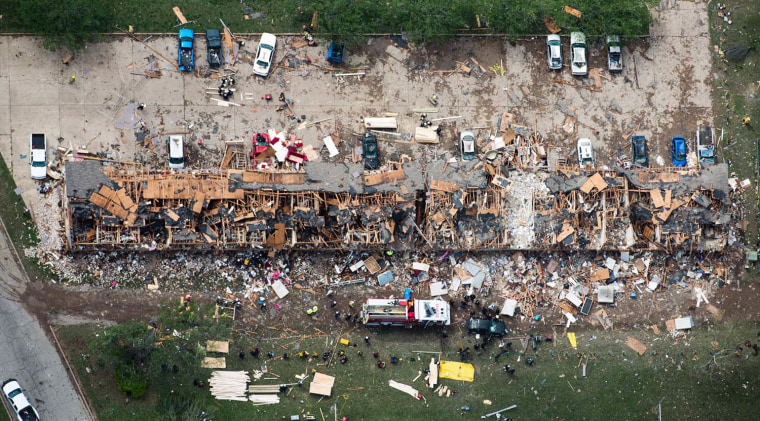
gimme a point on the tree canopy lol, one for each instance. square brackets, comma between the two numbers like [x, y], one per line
[431, 21]
[66, 23]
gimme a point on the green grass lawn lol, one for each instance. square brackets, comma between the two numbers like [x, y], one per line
[736, 93]
[157, 15]
[18, 222]
[4, 416]
[618, 382]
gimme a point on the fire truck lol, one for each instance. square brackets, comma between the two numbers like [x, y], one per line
[405, 312]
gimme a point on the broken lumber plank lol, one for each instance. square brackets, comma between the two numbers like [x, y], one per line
[179, 15]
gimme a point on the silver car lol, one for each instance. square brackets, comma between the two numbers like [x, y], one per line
[554, 52]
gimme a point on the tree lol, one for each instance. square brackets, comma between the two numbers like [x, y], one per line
[66, 23]
[128, 349]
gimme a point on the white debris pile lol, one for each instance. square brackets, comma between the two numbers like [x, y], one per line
[47, 217]
[523, 189]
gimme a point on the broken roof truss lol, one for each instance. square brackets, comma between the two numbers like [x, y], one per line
[465, 208]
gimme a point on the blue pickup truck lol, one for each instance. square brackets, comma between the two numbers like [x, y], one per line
[186, 59]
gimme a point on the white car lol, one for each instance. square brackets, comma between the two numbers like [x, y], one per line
[38, 156]
[264, 54]
[21, 407]
[579, 63]
[467, 146]
[554, 52]
[585, 153]
[175, 145]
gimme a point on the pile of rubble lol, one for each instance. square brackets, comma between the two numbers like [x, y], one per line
[469, 206]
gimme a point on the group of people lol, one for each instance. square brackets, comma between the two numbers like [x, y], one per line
[225, 88]
[748, 345]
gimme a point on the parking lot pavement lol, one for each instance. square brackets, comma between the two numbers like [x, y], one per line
[664, 90]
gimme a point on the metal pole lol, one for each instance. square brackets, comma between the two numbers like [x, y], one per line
[500, 411]
[659, 409]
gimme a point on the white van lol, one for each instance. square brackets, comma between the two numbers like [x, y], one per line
[175, 145]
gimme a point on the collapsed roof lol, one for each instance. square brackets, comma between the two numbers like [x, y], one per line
[447, 205]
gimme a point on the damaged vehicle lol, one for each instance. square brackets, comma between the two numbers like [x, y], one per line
[640, 151]
[706, 145]
[678, 151]
[264, 54]
[614, 54]
[186, 59]
[585, 153]
[578, 63]
[175, 145]
[369, 151]
[487, 327]
[38, 156]
[214, 47]
[554, 52]
[467, 146]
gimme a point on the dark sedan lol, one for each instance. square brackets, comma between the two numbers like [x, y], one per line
[369, 151]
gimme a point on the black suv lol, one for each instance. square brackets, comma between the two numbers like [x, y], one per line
[485, 326]
[369, 151]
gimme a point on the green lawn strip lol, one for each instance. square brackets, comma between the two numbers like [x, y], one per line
[157, 16]
[18, 222]
[347, 18]
[618, 381]
[736, 93]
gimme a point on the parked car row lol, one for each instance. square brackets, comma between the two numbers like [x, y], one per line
[579, 53]
[678, 150]
[186, 53]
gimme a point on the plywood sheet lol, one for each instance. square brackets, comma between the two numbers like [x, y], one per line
[372, 265]
[198, 202]
[600, 275]
[433, 367]
[657, 200]
[636, 345]
[273, 177]
[670, 325]
[322, 384]
[384, 177]
[444, 186]
[427, 135]
[598, 181]
[212, 188]
[218, 346]
[211, 362]
[603, 319]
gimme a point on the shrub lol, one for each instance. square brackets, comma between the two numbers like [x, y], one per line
[132, 383]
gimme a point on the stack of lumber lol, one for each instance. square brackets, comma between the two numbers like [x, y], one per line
[264, 399]
[409, 390]
[229, 385]
[264, 388]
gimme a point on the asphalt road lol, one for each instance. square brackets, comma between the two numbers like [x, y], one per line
[27, 354]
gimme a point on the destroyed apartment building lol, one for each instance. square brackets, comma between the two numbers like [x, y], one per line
[444, 205]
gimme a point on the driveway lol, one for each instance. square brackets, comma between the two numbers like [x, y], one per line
[27, 354]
